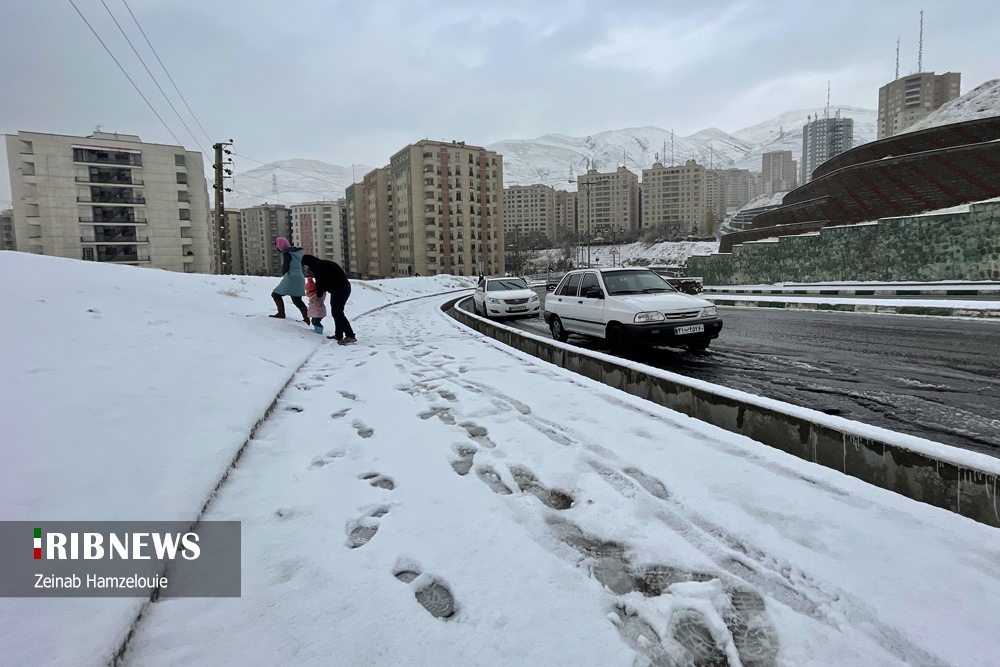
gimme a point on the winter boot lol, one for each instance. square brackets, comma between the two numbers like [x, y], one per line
[280, 303]
[318, 328]
[305, 314]
[348, 340]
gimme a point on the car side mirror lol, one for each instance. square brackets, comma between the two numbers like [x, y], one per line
[594, 293]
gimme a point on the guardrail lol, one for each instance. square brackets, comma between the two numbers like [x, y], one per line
[953, 479]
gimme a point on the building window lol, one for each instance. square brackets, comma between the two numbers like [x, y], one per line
[185, 213]
[179, 160]
[182, 177]
[182, 195]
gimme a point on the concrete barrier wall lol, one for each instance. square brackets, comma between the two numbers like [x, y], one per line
[961, 489]
[926, 248]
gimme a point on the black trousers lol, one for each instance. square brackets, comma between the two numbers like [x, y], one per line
[338, 299]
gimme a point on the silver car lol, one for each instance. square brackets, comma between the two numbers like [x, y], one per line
[505, 297]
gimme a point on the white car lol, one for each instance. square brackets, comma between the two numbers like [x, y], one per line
[505, 297]
[627, 307]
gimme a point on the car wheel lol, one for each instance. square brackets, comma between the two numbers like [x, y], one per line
[475, 307]
[698, 346]
[558, 332]
[618, 340]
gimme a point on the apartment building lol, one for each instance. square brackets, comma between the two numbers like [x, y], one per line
[447, 209]
[529, 214]
[822, 139]
[376, 218]
[674, 200]
[910, 98]
[232, 242]
[608, 203]
[110, 197]
[7, 230]
[566, 215]
[260, 226]
[778, 172]
[317, 227]
[729, 189]
[356, 248]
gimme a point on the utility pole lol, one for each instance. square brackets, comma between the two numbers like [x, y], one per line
[221, 174]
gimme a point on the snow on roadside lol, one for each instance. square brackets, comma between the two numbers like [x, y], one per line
[127, 392]
[556, 521]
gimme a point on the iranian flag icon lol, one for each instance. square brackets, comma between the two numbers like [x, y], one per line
[38, 544]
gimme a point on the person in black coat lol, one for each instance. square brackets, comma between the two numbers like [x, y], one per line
[330, 277]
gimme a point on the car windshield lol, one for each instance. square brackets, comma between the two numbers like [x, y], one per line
[640, 281]
[505, 284]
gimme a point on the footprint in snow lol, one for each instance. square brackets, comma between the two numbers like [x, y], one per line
[348, 395]
[463, 464]
[363, 430]
[379, 481]
[431, 592]
[340, 413]
[321, 461]
[361, 531]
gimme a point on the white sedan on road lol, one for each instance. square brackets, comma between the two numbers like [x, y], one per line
[505, 297]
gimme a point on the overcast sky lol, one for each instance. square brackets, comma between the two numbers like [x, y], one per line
[352, 82]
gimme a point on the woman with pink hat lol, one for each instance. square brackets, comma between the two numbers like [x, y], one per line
[293, 281]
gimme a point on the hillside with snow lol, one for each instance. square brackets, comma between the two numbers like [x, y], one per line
[291, 182]
[553, 159]
[980, 102]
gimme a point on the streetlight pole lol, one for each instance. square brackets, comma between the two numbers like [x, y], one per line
[588, 185]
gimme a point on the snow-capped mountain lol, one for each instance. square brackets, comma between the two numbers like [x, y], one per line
[290, 182]
[553, 159]
[980, 102]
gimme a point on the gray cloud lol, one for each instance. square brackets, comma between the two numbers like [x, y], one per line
[349, 82]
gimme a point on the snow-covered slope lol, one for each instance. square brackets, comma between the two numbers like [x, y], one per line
[980, 102]
[553, 159]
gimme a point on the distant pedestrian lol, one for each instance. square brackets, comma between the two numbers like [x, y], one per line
[293, 281]
[330, 277]
[316, 309]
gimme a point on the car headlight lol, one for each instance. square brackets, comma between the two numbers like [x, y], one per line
[711, 311]
[650, 316]
[492, 300]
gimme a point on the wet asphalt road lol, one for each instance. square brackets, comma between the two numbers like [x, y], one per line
[937, 378]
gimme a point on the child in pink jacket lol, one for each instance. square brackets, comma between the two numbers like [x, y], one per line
[317, 307]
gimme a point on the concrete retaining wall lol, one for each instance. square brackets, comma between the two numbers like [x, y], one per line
[948, 246]
[963, 490]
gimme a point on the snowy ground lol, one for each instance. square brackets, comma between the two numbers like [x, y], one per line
[429, 497]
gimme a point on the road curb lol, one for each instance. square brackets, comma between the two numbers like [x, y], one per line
[981, 313]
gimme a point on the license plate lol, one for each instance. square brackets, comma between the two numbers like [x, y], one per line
[690, 329]
[517, 309]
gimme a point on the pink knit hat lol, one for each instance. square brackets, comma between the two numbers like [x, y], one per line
[282, 243]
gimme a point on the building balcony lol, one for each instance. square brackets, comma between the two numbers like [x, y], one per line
[110, 180]
[124, 201]
[115, 239]
[112, 220]
[117, 158]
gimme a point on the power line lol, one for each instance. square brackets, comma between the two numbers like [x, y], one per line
[167, 72]
[157, 83]
[257, 178]
[291, 171]
[151, 108]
